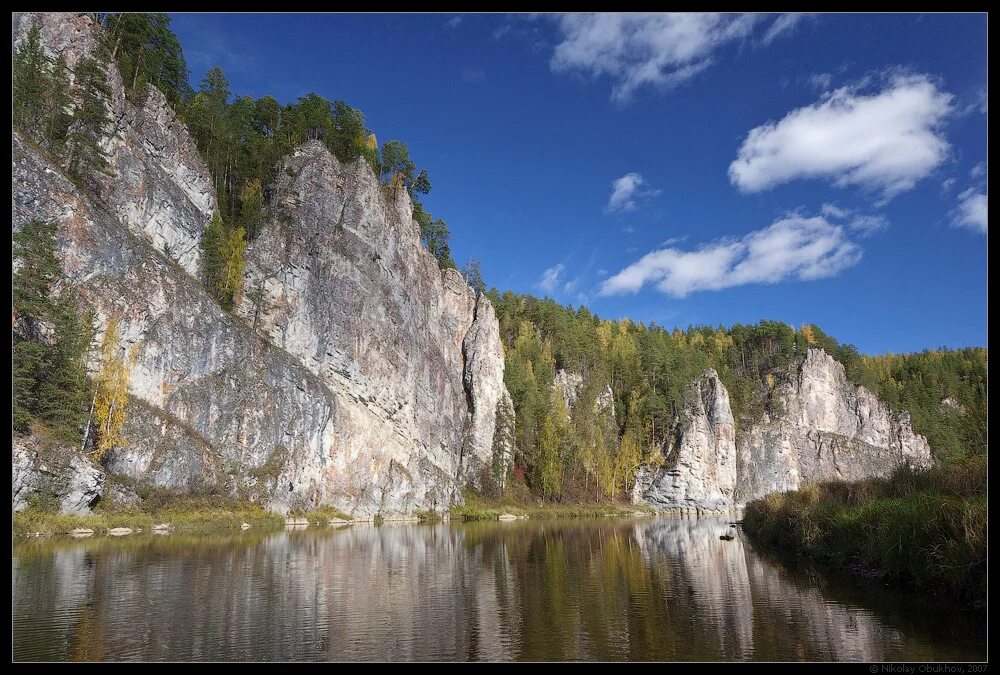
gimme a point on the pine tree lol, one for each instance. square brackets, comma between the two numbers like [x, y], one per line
[50, 340]
[58, 102]
[90, 122]
[211, 246]
[29, 85]
[252, 208]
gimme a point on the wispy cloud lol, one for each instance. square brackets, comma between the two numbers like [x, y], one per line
[971, 211]
[551, 278]
[785, 23]
[863, 223]
[627, 192]
[658, 51]
[978, 170]
[885, 141]
[453, 22]
[793, 247]
[473, 75]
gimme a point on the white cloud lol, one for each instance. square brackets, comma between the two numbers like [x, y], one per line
[793, 247]
[821, 81]
[783, 24]
[453, 22]
[971, 211]
[626, 192]
[867, 224]
[978, 170]
[602, 272]
[885, 141]
[834, 211]
[551, 278]
[947, 184]
[659, 51]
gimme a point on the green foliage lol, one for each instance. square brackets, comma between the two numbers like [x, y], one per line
[434, 234]
[147, 53]
[650, 370]
[29, 85]
[50, 339]
[41, 95]
[921, 529]
[91, 122]
[474, 276]
[223, 249]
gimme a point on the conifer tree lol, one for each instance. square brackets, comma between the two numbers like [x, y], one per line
[29, 84]
[58, 111]
[91, 122]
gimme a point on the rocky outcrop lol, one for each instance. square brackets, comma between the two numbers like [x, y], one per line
[570, 386]
[699, 470]
[356, 374]
[53, 475]
[828, 429]
[157, 184]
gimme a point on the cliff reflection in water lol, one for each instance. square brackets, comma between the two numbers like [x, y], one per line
[664, 589]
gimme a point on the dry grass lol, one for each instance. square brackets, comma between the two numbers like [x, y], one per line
[920, 529]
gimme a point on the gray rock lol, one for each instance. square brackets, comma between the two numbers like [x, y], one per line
[368, 379]
[700, 470]
[829, 429]
[85, 481]
[56, 475]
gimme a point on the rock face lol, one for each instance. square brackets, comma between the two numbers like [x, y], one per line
[699, 471]
[157, 184]
[570, 385]
[360, 376]
[54, 474]
[829, 429]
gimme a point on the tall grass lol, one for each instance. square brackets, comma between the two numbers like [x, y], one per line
[924, 530]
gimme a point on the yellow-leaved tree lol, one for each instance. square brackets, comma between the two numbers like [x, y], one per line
[111, 399]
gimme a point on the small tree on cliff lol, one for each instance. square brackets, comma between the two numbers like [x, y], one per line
[90, 122]
[29, 83]
[111, 399]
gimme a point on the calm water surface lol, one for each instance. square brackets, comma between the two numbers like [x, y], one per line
[641, 589]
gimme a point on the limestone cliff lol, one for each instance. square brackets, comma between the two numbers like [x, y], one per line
[361, 375]
[829, 429]
[699, 470]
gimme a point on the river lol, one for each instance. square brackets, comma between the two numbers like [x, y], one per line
[662, 589]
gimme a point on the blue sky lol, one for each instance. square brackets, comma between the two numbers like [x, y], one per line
[824, 169]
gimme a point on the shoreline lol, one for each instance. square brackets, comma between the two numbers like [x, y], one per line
[34, 523]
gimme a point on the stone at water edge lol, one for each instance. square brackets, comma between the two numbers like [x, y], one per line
[338, 521]
[506, 516]
[162, 526]
[81, 532]
[120, 531]
[245, 526]
[296, 522]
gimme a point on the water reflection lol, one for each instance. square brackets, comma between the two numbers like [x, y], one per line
[664, 589]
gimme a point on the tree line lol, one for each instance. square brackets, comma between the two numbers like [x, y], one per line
[649, 369]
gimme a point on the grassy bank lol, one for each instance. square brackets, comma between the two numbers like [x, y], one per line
[924, 530]
[194, 515]
[477, 507]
